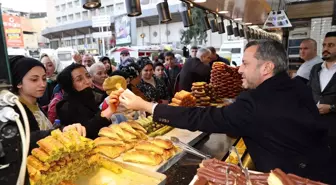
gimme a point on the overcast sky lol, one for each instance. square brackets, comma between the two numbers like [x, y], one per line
[26, 5]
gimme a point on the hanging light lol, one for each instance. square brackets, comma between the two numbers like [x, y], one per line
[199, 1]
[133, 7]
[248, 34]
[221, 25]
[185, 12]
[213, 23]
[206, 22]
[236, 30]
[229, 28]
[241, 31]
[163, 11]
[91, 4]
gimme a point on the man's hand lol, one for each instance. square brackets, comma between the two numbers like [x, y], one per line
[78, 127]
[132, 101]
[323, 108]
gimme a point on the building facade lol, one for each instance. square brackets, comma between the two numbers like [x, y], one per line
[24, 29]
[70, 25]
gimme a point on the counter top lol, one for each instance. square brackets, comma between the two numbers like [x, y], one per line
[216, 145]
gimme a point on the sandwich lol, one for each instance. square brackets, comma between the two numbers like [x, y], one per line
[128, 128]
[137, 126]
[143, 158]
[105, 141]
[110, 151]
[166, 144]
[150, 147]
[108, 132]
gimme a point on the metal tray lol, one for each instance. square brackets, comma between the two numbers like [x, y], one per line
[106, 177]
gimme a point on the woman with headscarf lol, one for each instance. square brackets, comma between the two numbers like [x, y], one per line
[29, 83]
[50, 66]
[153, 88]
[78, 104]
[108, 66]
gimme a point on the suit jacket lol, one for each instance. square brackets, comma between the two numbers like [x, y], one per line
[193, 71]
[278, 121]
[327, 96]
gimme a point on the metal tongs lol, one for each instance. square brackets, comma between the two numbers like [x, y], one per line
[189, 148]
[245, 170]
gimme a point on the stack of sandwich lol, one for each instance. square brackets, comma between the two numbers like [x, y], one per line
[199, 91]
[184, 99]
[151, 152]
[60, 157]
[226, 80]
[117, 139]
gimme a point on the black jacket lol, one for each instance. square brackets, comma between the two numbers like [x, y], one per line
[13, 150]
[81, 108]
[220, 59]
[327, 96]
[193, 71]
[278, 121]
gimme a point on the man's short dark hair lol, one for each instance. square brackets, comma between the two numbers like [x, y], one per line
[212, 49]
[169, 54]
[271, 50]
[158, 64]
[194, 47]
[331, 34]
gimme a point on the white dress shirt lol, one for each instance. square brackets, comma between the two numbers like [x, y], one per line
[326, 75]
[305, 68]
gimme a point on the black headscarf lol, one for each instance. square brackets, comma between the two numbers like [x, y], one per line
[85, 97]
[20, 66]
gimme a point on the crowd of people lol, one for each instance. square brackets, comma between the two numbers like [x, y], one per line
[75, 97]
[291, 135]
[285, 123]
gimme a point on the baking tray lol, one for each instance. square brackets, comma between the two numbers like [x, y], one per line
[136, 176]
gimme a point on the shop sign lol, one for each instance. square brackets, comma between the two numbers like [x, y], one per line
[122, 26]
[13, 31]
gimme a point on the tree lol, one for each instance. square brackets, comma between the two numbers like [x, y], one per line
[196, 32]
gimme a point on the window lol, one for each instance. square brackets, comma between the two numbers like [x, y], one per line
[69, 4]
[58, 20]
[78, 16]
[120, 6]
[85, 15]
[88, 40]
[76, 2]
[80, 41]
[102, 11]
[109, 9]
[57, 8]
[67, 42]
[64, 19]
[71, 17]
[63, 7]
[73, 42]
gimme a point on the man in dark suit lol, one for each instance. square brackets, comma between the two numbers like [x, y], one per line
[276, 117]
[195, 69]
[323, 84]
[216, 58]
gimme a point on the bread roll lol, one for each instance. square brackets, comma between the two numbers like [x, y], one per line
[166, 144]
[105, 141]
[137, 126]
[109, 151]
[108, 132]
[147, 146]
[38, 165]
[142, 157]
